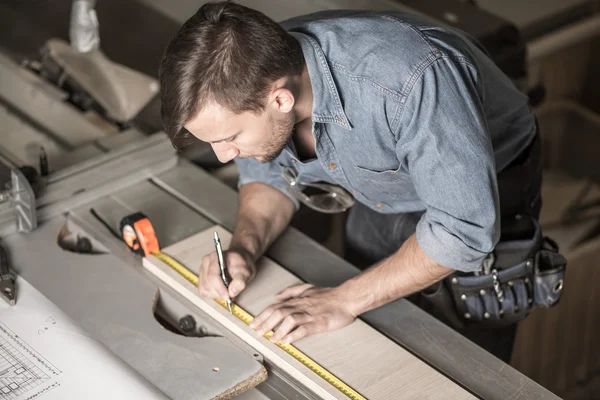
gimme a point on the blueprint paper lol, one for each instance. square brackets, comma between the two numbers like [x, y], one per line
[45, 355]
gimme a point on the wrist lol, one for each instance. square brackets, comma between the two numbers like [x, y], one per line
[243, 251]
[351, 302]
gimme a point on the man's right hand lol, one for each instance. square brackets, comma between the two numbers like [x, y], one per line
[263, 213]
[239, 267]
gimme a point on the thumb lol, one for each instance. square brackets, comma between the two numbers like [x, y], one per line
[238, 284]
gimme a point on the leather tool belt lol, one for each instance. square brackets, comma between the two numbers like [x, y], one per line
[517, 276]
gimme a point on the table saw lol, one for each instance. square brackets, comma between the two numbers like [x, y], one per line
[111, 296]
[101, 171]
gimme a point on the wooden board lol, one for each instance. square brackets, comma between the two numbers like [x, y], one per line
[369, 362]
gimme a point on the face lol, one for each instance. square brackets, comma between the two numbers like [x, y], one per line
[247, 135]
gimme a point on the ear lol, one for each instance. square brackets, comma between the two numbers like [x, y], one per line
[282, 100]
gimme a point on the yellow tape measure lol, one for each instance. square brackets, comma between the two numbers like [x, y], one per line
[247, 318]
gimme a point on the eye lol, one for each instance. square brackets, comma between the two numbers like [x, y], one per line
[231, 139]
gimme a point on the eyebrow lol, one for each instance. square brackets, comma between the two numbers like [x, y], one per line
[226, 139]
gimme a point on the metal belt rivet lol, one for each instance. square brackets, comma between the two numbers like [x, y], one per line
[526, 280]
[516, 309]
[463, 297]
[510, 283]
[467, 315]
[482, 292]
[530, 301]
[496, 285]
[528, 263]
[486, 315]
[454, 280]
[558, 287]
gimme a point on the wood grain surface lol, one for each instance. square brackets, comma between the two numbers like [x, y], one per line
[369, 362]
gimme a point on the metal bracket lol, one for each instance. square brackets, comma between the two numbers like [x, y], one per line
[20, 197]
[24, 202]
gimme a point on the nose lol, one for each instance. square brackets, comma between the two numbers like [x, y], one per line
[225, 152]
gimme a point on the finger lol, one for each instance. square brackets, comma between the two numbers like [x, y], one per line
[292, 291]
[290, 322]
[202, 287]
[302, 331]
[240, 274]
[206, 290]
[264, 314]
[273, 320]
[215, 282]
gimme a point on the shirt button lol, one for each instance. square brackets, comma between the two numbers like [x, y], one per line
[394, 172]
[294, 160]
[332, 166]
[379, 205]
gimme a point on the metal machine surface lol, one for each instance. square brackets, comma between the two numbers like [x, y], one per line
[182, 199]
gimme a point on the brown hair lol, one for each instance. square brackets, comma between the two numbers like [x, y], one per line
[227, 53]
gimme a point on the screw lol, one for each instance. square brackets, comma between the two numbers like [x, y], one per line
[187, 324]
[83, 245]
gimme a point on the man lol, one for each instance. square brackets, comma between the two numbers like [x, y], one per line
[410, 118]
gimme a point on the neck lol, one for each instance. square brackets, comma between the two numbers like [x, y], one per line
[304, 97]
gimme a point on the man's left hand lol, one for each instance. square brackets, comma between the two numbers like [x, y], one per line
[304, 310]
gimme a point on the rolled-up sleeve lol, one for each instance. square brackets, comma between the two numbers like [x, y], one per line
[251, 170]
[443, 141]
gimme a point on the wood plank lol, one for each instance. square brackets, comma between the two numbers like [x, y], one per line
[366, 360]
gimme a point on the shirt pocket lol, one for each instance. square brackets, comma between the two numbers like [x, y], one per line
[387, 187]
[386, 177]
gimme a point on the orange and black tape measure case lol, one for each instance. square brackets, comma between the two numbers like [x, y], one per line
[139, 235]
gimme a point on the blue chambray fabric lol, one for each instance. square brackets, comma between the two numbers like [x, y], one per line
[408, 116]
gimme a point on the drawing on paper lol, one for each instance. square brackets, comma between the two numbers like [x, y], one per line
[22, 369]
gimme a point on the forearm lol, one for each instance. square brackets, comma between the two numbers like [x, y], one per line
[403, 273]
[263, 214]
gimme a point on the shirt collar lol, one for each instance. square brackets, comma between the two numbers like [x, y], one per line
[327, 106]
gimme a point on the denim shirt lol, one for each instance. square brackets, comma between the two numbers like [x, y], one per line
[408, 116]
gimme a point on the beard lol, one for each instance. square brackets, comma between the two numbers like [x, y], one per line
[281, 133]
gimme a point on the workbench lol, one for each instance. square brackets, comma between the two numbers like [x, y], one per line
[112, 297]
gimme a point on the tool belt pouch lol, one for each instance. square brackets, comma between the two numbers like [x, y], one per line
[517, 276]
